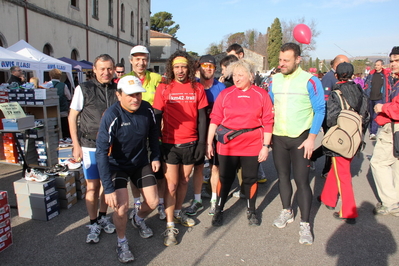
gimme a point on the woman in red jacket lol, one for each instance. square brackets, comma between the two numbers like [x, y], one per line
[242, 106]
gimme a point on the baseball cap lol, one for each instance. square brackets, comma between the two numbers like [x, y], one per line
[345, 70]
[207, 59]
[139, 49]
[395, 50]
[130, 84]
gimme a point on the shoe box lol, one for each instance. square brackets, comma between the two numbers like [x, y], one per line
[18, 123]
[81, 184]
[5, 222]
[66, 187]
[37, 200]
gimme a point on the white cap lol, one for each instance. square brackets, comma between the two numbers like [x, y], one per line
[139, 49]
[130, 84]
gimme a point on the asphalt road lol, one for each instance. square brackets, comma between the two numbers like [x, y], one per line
[371, 241]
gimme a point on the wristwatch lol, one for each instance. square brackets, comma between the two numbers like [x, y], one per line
[266, 145]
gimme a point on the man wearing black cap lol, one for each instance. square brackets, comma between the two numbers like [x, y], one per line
[377, 86]
[212, 89]
[384, 165]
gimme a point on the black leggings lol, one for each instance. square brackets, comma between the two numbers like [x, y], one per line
[285, 154]
[227, 173]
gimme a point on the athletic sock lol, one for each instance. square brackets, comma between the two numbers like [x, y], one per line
[136, 200]
[176, 213]
[138, 219]
[170, 225]
[197, 197]
[93, 221]
[214, 196]
[101, 214]
[160, 201]
[121, 240]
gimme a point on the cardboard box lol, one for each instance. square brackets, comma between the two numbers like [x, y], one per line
[68, 203]
[39, 188]
[65, 193]
[38, 213]
[5, 226]
[5, 241]
[3, 198]
[37, 201]
[19, 123]
[80, 194]
[5, 213]
[42, 94]
[64, 181]
[21, 186]
[81, 184]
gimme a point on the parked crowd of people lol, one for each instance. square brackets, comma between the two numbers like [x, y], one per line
[156, 132]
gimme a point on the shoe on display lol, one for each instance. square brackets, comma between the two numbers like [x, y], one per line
[305, 236]
[286, 217]
[194, 208]
[56, 169]
[94, 233]
[106, 225]
[144, 230]
[35, 175]
[71, 163]
[183, 219]
[170, 236]
[161, 212]
[39, 123]
[124, 253]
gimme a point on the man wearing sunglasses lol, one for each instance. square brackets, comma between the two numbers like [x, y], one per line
[119, 72]
[212, 88]
[140, 59]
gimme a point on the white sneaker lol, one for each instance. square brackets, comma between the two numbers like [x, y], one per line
[35, 175]
[106, 225]
[94, 233]
[124, 253]
[161, 212]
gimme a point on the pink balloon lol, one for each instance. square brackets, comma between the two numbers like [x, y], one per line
[302, 33]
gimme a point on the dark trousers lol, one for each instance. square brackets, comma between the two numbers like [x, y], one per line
[373, 115]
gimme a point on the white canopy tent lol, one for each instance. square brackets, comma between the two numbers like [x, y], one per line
[25, 49]
[9, 59]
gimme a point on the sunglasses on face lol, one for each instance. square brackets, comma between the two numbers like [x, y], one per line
[120, 72]
[207, 65]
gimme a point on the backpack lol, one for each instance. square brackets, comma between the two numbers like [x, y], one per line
[345, 137]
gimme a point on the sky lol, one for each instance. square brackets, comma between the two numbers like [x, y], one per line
[350, 27]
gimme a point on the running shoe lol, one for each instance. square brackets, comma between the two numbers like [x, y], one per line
[373, 137]
[238, 194]
[161, 212]
[286, 217]
[39, 123]
[35, 175]
[124, 253]
[380, 209]
[56, 169]
[135, 210]
[305, 236]
[72, 164]
[194, 208]
[217, 219]
[144, 230]
[212, 208]
[205, 193]
[170, 236]
[94, 233]
[252, 220]
[106, 225]
[183, 219]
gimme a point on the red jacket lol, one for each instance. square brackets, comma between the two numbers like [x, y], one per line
[390, 110]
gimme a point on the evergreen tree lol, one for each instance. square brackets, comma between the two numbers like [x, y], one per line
[317, 63]
[274, 42]
[310, 64]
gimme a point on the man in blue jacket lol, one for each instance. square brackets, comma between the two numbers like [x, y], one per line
[122, 155]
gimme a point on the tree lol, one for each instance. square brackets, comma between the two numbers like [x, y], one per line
[238, 37]
[360, 65]
[317, 63]
[193, 54]
[274, 42]
[288, 28]
[162, 22]
[215, 48]
[310, 63]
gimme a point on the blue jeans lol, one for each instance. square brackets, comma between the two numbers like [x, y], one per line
[373, 115]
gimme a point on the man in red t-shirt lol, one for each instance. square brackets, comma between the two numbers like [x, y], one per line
[179, 105]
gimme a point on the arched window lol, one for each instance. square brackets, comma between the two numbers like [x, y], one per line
[132, 23]
[110, 13]
[123, 17]
[75, 55]
[48, 49]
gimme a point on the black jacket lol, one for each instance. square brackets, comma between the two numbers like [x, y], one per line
[97, 98]
[356, 98]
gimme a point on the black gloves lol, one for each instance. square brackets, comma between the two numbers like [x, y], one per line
[199, 153]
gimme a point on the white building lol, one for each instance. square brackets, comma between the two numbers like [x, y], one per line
[76, 29]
